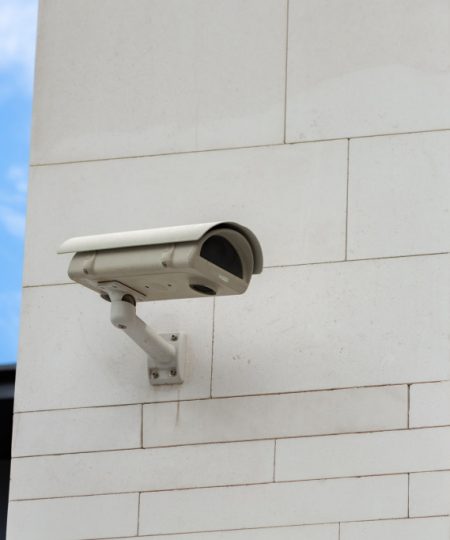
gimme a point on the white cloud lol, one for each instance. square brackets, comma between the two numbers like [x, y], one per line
[13, 220]
[13, 201]
[18, 176]
[9, 321]
[17, 39]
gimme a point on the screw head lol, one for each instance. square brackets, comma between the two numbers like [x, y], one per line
[173, 372]
[155, 375]
[173, 337]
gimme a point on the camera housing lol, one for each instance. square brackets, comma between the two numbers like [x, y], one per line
[161, 264]
[189, 261]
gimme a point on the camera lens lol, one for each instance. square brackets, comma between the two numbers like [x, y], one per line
[222, 253]
[203, 289]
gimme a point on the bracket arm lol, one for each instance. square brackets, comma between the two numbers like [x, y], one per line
[164, 353]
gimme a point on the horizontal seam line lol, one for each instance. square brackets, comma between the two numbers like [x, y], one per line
[242, 485]
[207, 398]
[293, 265]
[161, 154]
[235, 485]
[272, 527]
[231, 148]
[232, 442]
[217, 486]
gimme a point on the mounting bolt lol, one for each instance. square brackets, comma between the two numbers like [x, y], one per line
[173, 337]
[155, 375]
[173, 372]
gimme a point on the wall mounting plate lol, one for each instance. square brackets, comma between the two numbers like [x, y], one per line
[172, 372]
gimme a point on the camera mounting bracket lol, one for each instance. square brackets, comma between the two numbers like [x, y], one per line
[165, 352]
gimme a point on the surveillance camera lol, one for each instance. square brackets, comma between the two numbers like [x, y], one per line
[161, 264]
[189, 261]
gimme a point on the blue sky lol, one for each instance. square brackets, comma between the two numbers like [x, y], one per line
[17, 40]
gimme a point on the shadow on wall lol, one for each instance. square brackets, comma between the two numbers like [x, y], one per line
[7, 377]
